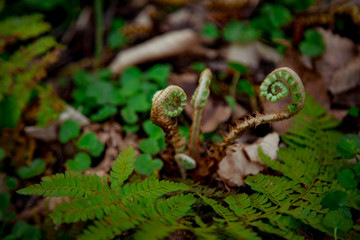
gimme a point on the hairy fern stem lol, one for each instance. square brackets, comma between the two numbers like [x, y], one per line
[283, 79]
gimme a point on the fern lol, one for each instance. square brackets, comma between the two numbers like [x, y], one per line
[22, 28]
[68, 185]
[222, 211]
[175, 207]
[122, 168]
[287, 205]
[24, 69]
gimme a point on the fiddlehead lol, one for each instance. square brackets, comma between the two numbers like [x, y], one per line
[276, 86]
[167, 104]
[198, 101]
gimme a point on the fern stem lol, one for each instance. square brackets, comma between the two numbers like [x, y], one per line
[284, 79]
[335, 233]
[198, 101]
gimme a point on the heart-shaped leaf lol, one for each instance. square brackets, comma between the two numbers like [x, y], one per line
[349, 146]
[149, 146]
[338, 219]
[90, 143]
[145, 165]
[36, 168]
[69, 130]
[81, 162]
[347, 179]
[334, 200]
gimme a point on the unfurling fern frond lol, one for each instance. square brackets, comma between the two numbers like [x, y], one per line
[122, 168]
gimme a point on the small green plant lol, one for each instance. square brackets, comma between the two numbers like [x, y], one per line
[349, 146]
[313, 45]
[36, 167]
[88, 143]
[101, 98]
[210, 31]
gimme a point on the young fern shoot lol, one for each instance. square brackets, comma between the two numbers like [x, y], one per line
[283, 79]
[198, 101]
[168, 104]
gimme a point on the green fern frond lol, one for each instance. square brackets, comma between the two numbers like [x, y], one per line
[152, 230]
[175, 208]
[122, 167]
[222, 211]
[150, 188]
[236, 230]
[68, 185]
[273, 229]
[89, 208]
[241, 205]
[110, 226]
[22, 28]
[277, 189]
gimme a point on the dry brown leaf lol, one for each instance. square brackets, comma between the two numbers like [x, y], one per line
[251, 53]
[50, 133]
[111, 135]
[338, 52]
[163, 46]
[215, 113]
[346, 77]
[245, 160]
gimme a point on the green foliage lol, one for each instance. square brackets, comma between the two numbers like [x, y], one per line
[210, 31]
[231, 101]
[90, 143]
[23, 231]
[100, 97]
[303, 196]
[145, 165]
[116, 38]
[346, 178]
[198, 66]
[334, 200]
[238, 67]
[313, 45]
[22, 28]
[36, 167]
[11, 183]
[24, 68]
[2, 154]
[338, 219]
[81, 162]
[149, 146]
[236, 31]
[5, 201]
[353, 111]
[122, 168]
[69, 130]
[349, 146]
[295, 4]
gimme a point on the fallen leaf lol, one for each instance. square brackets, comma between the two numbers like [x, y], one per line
[166, 45]
[251, 53]
[338, 52]
[243, 159]
[347, 77]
